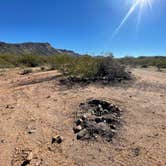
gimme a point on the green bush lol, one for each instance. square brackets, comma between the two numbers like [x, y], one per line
[111, 68]
[73, 66]
[90, 67]
[5, 64]
[30, 61]
[144, 61]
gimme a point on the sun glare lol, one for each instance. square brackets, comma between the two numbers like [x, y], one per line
[136, 3]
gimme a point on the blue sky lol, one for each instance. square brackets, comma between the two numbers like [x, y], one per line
[85, 26]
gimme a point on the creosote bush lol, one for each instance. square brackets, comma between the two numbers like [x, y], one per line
[26, 71]
[83, 67]
[144, 62]
[91, 68]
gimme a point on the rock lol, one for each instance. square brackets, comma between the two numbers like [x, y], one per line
[82, 133]
[9, 107]
[100, 106]
[114, 131]
[77, 129]
[25, 163]
[57, 139]
[84, 117]
[30, 156]
[38, 163]
[102, 127]
[136, 152]
[109, 136]
[78, 122]
[112, 105]
[99, 119]
[31, 131]
[108, 120]
[105, 111]
[28, 159]
[112, 126]
[3, 141]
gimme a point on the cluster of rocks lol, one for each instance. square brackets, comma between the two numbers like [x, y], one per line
[97, 118]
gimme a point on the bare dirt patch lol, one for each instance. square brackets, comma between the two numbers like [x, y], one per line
[34, 109]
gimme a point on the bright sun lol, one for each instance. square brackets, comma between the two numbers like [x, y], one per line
[136, 3]
[144, 2]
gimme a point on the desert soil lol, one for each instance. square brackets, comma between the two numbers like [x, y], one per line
[35, 107]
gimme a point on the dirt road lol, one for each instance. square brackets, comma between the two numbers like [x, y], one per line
[34, 107]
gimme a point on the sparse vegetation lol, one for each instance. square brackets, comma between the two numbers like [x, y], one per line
[26, 71]
[90, 68]
[83, 67]
[156, 61]
[8, 61]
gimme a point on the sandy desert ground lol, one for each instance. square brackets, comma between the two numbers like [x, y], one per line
[35, 107]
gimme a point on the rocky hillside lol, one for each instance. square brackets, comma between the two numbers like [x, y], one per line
[32, 48]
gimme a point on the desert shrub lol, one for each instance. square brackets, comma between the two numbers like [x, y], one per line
[30, 60]
[144, 61]
[144, 66]
[112, 69]
[92, 68]
[86, 67]
[5, 64]
[60, 62]
[42, 68]
[26, 71]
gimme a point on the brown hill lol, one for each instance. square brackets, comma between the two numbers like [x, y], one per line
[32, 48]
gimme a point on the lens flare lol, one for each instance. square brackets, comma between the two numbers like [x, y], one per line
[136, 3]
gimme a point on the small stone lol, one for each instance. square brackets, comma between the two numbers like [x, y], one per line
[38, 163]
[9, 106]
[25, 163]
[96, 136]
[113, 131]
[112, 105]
[102, 127]
[116, 106]
[30, 156]
[16, 149]
[57, 139]
[105, 111]
[112, 126]
[100, 106]
[31, 131]
[78, 122]
[136, 152]
[84, 117]
[3, 141]
[28, 159]
[82, 133]
[99, 119]
[77, 129]
[93, 112]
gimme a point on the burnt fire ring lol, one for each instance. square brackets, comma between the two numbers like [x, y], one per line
[97, 118]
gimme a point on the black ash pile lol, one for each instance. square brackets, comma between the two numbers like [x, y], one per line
[97, 118]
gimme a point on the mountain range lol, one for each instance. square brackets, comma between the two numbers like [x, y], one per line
[42, 49]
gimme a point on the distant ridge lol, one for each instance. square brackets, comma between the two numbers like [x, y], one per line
[35, 48]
